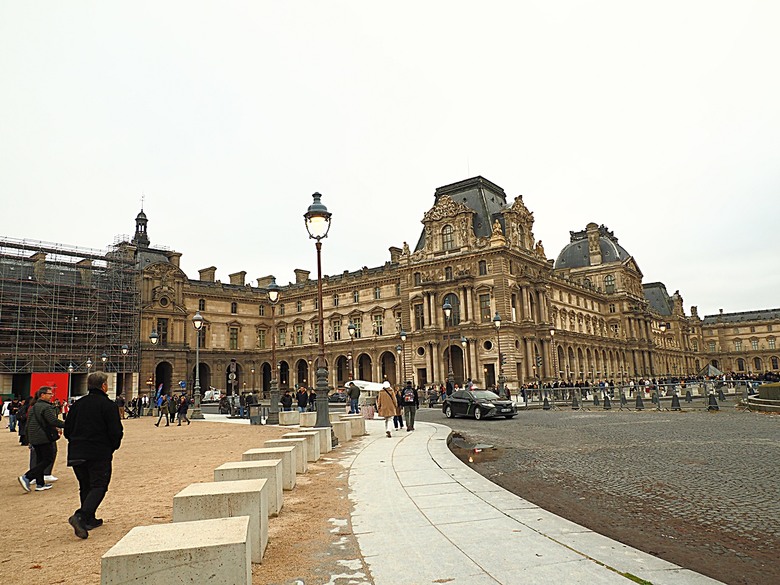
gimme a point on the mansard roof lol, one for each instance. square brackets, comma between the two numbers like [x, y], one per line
[744, 316]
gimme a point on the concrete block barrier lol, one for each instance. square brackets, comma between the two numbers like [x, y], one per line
[289, 417]
[312, 443]
[308, 419]
[343, 430]
[221, 499]
[326, 444]
[357, 424]
[214, 551]
[285, 453]
[270, 470]
[301, 466]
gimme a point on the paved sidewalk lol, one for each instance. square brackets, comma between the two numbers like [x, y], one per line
[421, 516]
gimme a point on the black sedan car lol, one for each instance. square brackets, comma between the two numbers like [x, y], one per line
[477, 403]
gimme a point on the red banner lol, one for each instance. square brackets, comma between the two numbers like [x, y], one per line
[56, 380]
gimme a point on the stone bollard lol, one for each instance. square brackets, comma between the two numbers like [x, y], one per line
[342, 430]
[270, 469]
[688, 396]
[546, 405]
[289, 417]
[312, 443]
[308, 419]
[301, 465]
[607, 402]
[640, 405]
[676, 402]
[285, 453]
[596, 398]
[712, 403]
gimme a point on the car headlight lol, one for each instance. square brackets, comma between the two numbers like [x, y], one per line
[489, 404]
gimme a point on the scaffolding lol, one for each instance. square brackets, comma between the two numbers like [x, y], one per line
[62, 305]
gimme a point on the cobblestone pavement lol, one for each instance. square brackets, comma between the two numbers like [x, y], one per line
[698, 489]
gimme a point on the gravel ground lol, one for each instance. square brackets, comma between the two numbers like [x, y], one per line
[695, 488]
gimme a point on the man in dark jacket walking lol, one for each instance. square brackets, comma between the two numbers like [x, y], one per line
[94, 431]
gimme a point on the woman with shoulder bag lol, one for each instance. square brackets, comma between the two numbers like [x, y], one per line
[42, 425]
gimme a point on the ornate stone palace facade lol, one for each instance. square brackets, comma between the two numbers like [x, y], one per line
[585, 315]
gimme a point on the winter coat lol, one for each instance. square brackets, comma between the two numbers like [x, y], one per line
[93, 428]
[45, 413]
[386, 404]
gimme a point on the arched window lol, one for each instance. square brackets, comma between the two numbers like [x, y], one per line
[757, 364]
[454, 302]
[609, 283]
[741, 365]
[774, 363]
[447, 239]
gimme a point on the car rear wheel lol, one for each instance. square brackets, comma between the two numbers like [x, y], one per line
[448, 412]
[478, 413]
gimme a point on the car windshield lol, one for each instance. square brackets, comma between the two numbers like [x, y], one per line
[484, 395]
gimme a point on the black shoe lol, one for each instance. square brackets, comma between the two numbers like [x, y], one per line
[93, 523]
[78, 526]
[157, 424]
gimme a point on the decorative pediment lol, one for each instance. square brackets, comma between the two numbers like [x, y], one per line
[446, 207]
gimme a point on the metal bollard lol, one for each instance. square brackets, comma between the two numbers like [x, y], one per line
[640, 404]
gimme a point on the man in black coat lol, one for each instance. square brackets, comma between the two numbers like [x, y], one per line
[94, 431]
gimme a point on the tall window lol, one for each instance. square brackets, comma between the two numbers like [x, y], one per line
[483, 267]
[162, 331]
[738, 345]
[484, 308]
[316, 304]
[336, 326]
[261, 339]
[282, 335]
[417, 279]
[315, 328]
[609, 283]
[711, 346]
[774, 363]
[398, 289]
[234, 308]
[612, 308]
[754, 343]
[261, 310]
[454, 302]
[281, 310]
[355, 296]
[299, 334]
[448, 273]
[447, 239]
[419, 317]
[377, 293]
[202, 335]
[201, 304]
[358, 323]
[299, 306]
[695, 345]
[771, 343]
[234, 338]
[336, 300]
[377, 326]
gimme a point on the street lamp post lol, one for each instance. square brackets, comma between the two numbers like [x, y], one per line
[501, 379]
[352, 331]
[465, 343]
[403, 355]
[273, 290]
[399, 350]
[447, 308]
[197, 322]
[103, 358]
[317, 219]
[125, 349]
[662, 327]
[70, 374]
[253, 378]
[153, 339]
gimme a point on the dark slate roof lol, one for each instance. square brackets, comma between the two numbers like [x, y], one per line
[576, 255]
[763, 315]
[656, 295]
[486, 199]
[148, 256]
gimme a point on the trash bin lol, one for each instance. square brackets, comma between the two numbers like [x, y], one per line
[255, 414]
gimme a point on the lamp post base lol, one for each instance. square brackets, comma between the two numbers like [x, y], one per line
[273, 410]
[196, 414]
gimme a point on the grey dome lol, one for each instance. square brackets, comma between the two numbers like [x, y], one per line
[576, 254]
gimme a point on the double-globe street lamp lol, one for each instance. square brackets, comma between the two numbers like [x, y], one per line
[447, 308]
[272, 291]
[317, 219]
[197, 322]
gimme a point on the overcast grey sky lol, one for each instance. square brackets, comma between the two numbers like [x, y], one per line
[658, 119]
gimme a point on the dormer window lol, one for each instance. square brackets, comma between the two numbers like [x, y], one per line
[447, 238]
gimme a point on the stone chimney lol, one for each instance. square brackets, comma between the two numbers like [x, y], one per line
[207, 274]
[301, 276]
[594, 249]
[395, 254]
[238, 278]
[264, 281]
[174, 258]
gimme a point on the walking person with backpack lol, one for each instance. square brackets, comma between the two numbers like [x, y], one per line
[411, 402]
[42, 425]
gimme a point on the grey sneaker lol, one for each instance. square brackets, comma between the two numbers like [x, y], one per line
[43, 488]
[25, 483]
